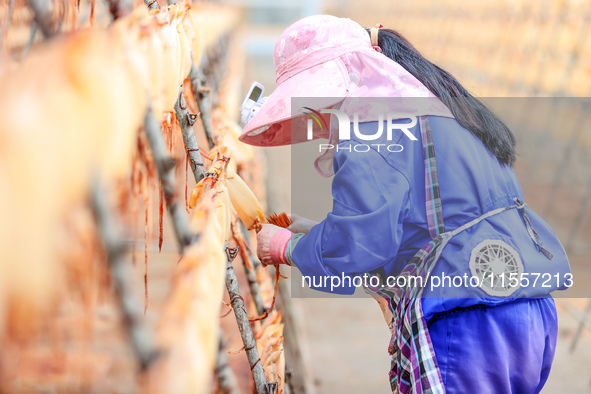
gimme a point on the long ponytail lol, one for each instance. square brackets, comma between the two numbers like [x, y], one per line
[468, 110]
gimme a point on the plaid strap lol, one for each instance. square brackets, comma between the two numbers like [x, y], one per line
[432, 194]
[415, 368]
[414, 365]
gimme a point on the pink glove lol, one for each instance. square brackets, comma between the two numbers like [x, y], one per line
[271, 244]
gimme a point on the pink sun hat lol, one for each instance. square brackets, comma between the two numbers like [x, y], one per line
[328, 59]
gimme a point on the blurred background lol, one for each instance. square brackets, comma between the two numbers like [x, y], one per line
[500, 50]
[495, 49]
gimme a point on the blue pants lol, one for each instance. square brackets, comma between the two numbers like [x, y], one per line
[502, 349]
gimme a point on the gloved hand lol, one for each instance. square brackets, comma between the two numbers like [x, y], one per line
[300, 224]
[271, 243]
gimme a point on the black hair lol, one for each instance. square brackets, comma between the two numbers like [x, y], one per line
[468, 110]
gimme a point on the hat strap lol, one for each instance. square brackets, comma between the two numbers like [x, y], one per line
[374, 36]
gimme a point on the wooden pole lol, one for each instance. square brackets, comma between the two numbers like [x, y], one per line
[186, 122]
[163, 163]
[226, 379]
[134, 323]
[152, 4]
[42, 17]
[203, 98]
[250, 347]
[165, 166]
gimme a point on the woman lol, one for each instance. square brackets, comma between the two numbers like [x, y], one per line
[444, 205]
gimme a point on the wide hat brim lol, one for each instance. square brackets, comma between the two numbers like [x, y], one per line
[325, 84]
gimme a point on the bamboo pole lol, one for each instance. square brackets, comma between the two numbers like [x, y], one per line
[119, 8]
[203, 98]
[296, 375]
[42, 16]
[231, 279]
[233, 291]
[226, 379]
[253, 286]
[250, 347]
[185, 238]
[152, 4]
[165, 165]
[10, 15]
[184, 235]
[186, 122]
[5, 24]
[134, 323]
[29, 43]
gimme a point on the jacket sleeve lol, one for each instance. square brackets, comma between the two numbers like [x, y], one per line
[364, 229]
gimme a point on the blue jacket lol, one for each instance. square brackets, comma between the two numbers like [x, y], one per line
[378, 221]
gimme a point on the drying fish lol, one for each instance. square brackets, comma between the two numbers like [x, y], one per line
[244, 201]
[189, 328]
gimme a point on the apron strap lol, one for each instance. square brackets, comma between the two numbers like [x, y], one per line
[432, 194]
